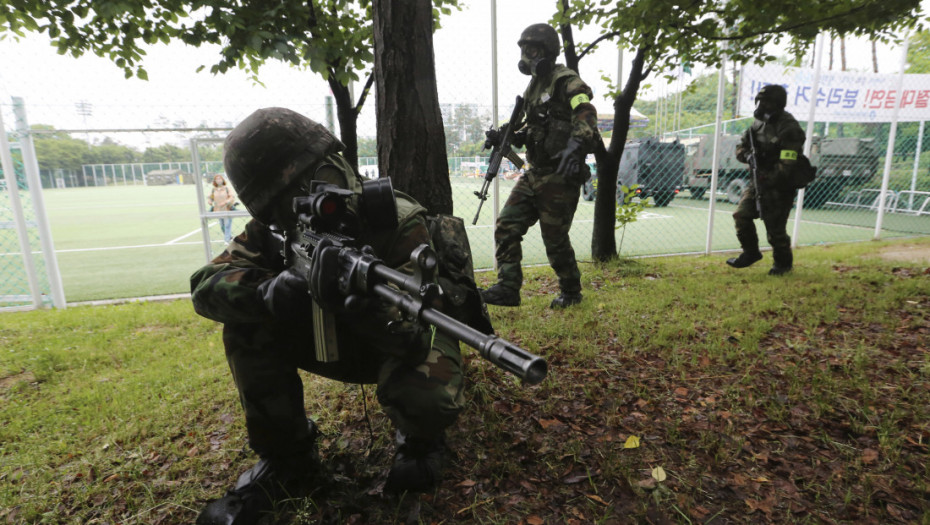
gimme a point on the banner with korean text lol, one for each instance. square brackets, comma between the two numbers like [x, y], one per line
[842, 96]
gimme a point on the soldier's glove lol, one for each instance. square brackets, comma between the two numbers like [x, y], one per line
[742, 154]
[323, 276]
[519, 139]
[570, 160]
[286, 295]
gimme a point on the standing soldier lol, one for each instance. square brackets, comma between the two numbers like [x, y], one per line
[776, 141]
[561, 129]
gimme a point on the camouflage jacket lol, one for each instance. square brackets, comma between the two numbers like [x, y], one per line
[558, 107]
[225, 290]
[779, 144]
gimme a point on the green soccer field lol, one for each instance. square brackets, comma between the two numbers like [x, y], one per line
[133, 241]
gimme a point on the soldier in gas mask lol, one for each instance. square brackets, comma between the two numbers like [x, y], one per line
[561, 129]
[776, 140]
[271, 157]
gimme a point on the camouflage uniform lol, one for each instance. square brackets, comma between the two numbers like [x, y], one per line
[779, 144]
[557, 109]
[420, 389]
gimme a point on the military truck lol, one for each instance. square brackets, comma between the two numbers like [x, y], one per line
[657, 167]
[842, 162]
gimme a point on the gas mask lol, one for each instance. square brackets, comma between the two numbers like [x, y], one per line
[765, 110]
[532, 62]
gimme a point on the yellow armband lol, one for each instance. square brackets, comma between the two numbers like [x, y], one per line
[789, 154]
[579, 99]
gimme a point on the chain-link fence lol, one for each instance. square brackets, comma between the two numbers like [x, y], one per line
[124, 214]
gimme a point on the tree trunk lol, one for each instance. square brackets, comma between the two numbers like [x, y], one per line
[348, 121]
[568, 41]
[603, 239]
[411, 139]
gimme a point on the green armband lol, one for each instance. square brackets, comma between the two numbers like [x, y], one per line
[579, 99]
[789, 154]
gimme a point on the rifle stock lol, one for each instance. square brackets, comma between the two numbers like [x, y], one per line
[500, 148]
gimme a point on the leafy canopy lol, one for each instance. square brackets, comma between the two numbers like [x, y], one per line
[332, 37]
[694, 31]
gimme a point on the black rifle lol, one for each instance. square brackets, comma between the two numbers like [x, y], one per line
[349, 274]
[754, 171]
[500, 141]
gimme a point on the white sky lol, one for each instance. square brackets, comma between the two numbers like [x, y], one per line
[52, 84]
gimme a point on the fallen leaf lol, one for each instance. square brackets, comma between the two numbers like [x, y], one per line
[547, 423]
[659, 474]
[596, 498]
[631, 442]
[577, 478]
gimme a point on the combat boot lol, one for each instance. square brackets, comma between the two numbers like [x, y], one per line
[565, 299]
[745, 259]
[501, 295]
[257, 489]
[417, 465]
[784, 261]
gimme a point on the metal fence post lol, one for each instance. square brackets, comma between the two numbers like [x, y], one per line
[809, 141]
[31, 167]
[19, 218]
[892, 133]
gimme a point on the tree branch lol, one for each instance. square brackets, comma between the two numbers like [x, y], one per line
[785, 28]
[365, 91]
[590, 47]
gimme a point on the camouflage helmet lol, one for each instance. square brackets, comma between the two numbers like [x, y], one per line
[542, 35]
[268, 151]
[774, 94]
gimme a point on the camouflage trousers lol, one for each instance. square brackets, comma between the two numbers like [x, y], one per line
[776, 206]
[543, 196]
[421, 398]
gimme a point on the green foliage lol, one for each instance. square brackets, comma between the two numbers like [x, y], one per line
[628, 209]
[693, 32]
[58, 150]
[918, 53]
[331, 38]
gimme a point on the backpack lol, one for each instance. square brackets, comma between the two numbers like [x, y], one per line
[456, 273]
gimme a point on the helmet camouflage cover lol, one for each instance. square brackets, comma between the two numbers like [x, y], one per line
[543, 35]
[775, 94]
[269, 150]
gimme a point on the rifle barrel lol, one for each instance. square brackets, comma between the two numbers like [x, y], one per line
[530, 368]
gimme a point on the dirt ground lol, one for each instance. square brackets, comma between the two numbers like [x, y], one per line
[912, 253]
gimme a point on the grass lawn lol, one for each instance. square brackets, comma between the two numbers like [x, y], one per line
[680, 391]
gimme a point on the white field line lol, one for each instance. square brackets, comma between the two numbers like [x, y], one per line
[173, 242]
